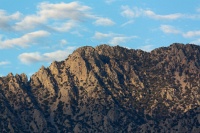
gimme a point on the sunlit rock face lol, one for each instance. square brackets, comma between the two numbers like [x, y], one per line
[107, 89]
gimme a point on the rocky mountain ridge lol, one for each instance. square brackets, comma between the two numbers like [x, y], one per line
[107, 89]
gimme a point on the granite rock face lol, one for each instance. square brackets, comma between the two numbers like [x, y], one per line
[107, 89]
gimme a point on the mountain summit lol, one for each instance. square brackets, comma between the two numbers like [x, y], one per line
[107, 89]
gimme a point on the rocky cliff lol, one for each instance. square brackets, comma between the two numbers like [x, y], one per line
[107, 89]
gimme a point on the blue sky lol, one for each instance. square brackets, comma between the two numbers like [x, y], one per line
[35, 33]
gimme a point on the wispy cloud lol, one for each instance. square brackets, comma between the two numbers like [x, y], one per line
[198, 9]
[135, 12]
[131, 12]
[29, 58]
[169, 29]
[64, 27]
[153, 15]
[35, 57]
[104, 22]
[6, 19]
[99, 35]
[197, 42]
[191, 34]
[127, 23]
[2, 63]
[109, 1]
[56, 16]
[121, 39]
[113, 38]
[48, 11]
[172, 30]
[147, 48]
[23, 41]
[65, 15]
[63, 42]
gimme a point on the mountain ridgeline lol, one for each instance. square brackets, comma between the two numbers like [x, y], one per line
[107, 89]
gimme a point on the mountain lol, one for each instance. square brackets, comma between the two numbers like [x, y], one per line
[107, 89]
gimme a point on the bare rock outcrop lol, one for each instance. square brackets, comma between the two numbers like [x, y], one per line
[107, 89]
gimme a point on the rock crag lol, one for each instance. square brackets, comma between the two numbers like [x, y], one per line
[107, 89]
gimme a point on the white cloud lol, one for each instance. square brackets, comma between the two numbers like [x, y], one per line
[127, 23]
[30, 74]
[76, 32]
[120, 39]
[110, 1]
[197, 42]
[63, 42]
[153, 15]
[198, 9]
[169, 29]
[24, 41]
[72, 10]
[2, 63]
[138, 12]
[6, 19]
[191, 34]
[104, 22]
[172, 30]
[29, 22]
[64, 27]
[99, 35]
[146, 48]
[61, 17]
[60, 11]
[29, 58]
[114, 39]
[130, 13]
[57, 55]
[34, 57]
